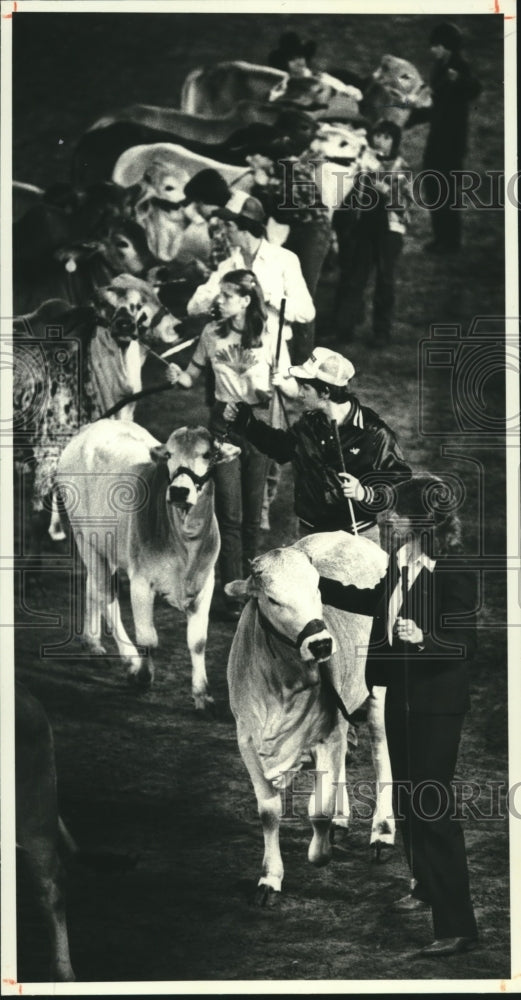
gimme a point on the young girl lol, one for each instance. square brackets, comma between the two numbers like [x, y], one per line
[242, 355]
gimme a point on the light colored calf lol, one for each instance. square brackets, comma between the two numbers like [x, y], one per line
[148, 509]
[290, 663]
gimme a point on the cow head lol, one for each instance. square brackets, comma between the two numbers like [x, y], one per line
[131, 309]
[191, 454]
[162, 180]
[341, 143]
[284, 584]
[123, 250]
[395, 88]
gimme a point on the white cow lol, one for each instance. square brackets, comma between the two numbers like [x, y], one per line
[148, 509]
[291, 665]
[162, 169]
[215, 90]
[137, 161]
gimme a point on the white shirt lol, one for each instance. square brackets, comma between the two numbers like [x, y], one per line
[415, 567]
[279, 275]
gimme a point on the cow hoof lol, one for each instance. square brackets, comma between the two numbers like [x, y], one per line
[266, 896]
[95, 649]
[321, 860]
[338, 835]
[380, 852]
[204, 704]
[141, 680]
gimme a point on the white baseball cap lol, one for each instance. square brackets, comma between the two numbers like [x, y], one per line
[326, 366]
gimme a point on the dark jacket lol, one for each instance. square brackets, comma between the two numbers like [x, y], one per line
[432, 677]
[370, 452]
[448, 115]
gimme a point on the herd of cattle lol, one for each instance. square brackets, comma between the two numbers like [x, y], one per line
[93, 285]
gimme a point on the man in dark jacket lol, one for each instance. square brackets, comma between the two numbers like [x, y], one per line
[422, 639]
[327, 498]
[454, 87]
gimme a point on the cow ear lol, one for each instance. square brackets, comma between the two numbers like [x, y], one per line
[108, 296]
[241, 589]
[225, 452]
[159, 453]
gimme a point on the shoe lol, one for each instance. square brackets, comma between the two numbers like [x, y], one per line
[410, 904]
[449, 946]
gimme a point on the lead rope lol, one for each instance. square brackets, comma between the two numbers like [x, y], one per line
[406, 610]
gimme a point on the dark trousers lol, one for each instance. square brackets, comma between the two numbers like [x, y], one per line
[423, 751]
[310, 241]
[445, 221]
[367, 247]
[239, 494]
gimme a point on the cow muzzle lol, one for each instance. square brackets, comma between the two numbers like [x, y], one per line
[179, 496]
[123, 327]
[315, 643]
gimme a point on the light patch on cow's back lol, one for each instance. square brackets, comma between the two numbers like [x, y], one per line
[115, 445]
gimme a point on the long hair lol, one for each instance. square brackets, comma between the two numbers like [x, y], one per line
[246, 283]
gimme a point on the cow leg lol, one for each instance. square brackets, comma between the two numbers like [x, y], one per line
[342, 808]
[323, 801]
[126, 648]
[383, 828]
[46, 872]
[95, 591]
[55, 528]
[196, 633]
[141, 668]
[269, 805]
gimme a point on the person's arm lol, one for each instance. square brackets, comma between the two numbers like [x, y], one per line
[463, 84]
[419, 116]
[389, 465]
[203, 297]
[455, 597]
[197, 363]
[277, 444]
[299, 304]
[350, 598]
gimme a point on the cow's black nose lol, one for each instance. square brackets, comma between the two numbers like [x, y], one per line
[178, 495]
[123, 325]
[321, 649]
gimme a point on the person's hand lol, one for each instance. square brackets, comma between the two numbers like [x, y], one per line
[173, 373]
[381, 186]
[351, 487]
[230, 412]
[201, 269]
[278, 379]
[452, 74]
[408, 631]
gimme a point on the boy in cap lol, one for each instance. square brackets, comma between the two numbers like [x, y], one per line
[454, 87]
[370, 452]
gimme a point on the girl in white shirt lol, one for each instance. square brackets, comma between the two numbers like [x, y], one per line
[242, 354]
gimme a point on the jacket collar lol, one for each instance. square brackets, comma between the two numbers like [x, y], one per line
[423, 561]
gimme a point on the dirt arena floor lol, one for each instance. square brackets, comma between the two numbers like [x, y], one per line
[142, 774]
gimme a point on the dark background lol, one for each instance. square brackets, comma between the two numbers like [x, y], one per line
[142, 774]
